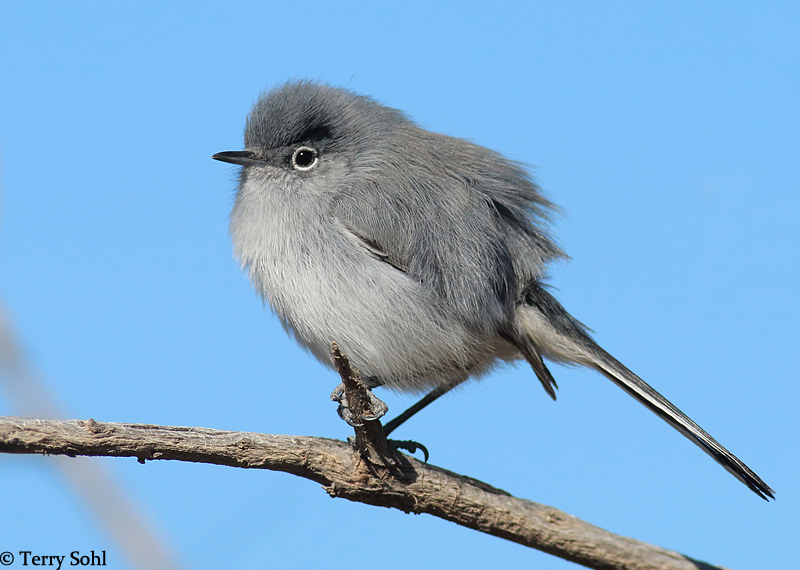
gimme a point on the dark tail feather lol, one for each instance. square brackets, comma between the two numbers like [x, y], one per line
[575, 346]
[534, 358]
[663, 408]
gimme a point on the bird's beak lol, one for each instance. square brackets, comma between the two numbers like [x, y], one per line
[240, 157]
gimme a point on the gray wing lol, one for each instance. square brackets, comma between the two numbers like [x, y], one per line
[450, 242]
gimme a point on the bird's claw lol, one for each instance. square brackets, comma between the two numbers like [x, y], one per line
[410, 446]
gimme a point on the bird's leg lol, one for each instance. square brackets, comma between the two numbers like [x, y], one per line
[373, 407]
[430, 397]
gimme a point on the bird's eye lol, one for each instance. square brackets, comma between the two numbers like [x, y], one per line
[304, 158]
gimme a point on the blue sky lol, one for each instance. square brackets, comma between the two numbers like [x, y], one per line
[670, 135]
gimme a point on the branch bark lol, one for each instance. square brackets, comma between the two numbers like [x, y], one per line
[404, 483]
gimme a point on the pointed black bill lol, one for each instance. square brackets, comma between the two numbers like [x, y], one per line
[238, 157]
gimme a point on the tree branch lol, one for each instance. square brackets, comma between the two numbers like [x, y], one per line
[407, 484]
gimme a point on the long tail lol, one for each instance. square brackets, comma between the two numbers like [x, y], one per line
[547, 327]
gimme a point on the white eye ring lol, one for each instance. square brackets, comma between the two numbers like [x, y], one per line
[304, 158]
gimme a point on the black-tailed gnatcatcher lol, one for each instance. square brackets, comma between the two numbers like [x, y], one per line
[422, 255]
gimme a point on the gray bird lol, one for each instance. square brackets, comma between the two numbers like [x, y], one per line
[422, 255]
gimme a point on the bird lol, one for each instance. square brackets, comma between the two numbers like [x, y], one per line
[423, 256]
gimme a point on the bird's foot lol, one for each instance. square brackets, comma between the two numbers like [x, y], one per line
[409, 445]
[376, 408]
